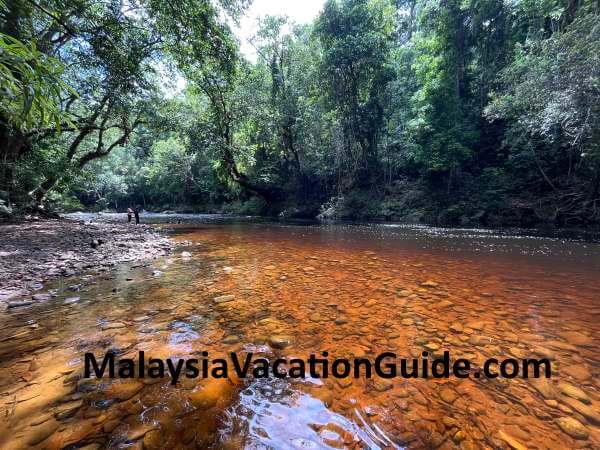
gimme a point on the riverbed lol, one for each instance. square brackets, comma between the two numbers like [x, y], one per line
[295, 289]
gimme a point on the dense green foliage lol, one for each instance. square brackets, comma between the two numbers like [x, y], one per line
[442, 111]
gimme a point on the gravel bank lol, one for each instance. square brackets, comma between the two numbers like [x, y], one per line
[34, 252]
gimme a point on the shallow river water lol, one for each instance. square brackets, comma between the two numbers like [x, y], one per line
[292, 290]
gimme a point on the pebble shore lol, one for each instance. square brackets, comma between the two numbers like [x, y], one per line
[37, 251]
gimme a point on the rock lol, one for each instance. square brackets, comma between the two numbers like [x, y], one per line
[432, 346]
[41, 297]
[518, 352]
[429, 284]
[476, 325]
[186, 255]
[140, 431]
[573, 427]
[270, 267]
[571, 391]
[280, 341]
[231, 339]
[444, 304]
[153, 440]
[469, 445]
[382, 384]
[344, 382]
[71, 300]
[211, 392]
[124, 390]
[577, 338]
[448, 395]
[66, 410]
[34, 365]
[544, 387]
[404, 293]
[113, 325]
[19, 303]
[511, 441]
[456, 327]
[138, 319]
[478, 340]
[224, 298]
[578, 371]
[586, 411]
[156, 273]
[41, 432]
[459, 436]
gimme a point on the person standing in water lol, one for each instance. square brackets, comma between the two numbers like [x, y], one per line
[129, 214]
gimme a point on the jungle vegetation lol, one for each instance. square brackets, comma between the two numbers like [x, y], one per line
[439, 111]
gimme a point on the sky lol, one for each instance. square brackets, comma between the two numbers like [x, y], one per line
[299, 11]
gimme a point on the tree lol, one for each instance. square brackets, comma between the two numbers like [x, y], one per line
[110, 50]
[356, 37]
[551, 98]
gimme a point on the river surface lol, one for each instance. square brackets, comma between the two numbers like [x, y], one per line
[289, 290]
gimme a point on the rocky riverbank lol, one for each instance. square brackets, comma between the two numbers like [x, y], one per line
[34, 252]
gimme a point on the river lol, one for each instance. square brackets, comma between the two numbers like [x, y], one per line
[289, 290]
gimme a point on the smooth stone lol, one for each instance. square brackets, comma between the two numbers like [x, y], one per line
[152, 440]
[186, 255]
[71, 300]
[573, 427]
[231, 339]
[579, 372]
[586, 411]
[41, 432]
[456, 327]
[344, 382]
[544, 387]
[517, 352]
[448, 395]
[572, 391]
[141, 318]
[211, 392]
[124, 391]
[459, 436]
[432, 346]
[511, 441]
[224, 298]
[67, 410]
[19, 303]
[141, 431]
[477, 325]
[41, 297]
[382, 384]
[429, 284]
[113, 326]
[577, 338]
[280, 341]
